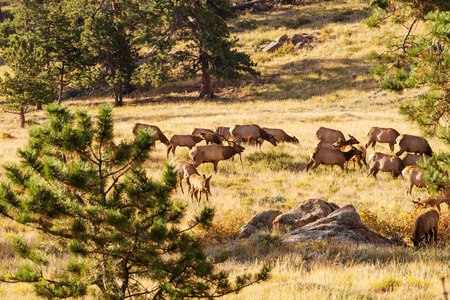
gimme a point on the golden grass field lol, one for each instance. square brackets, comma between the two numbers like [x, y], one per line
[328, 85]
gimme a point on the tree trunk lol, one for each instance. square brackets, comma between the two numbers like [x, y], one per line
[61, 85]
[206, 89]
[247, 4]
[22, 117]
[39, 106]
[118, 96]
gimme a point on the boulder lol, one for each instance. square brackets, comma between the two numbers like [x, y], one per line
[298, 38]
[272, 47]
[303, 213]
[246, 231]
[282, 38]
[344, 224]
[264, 220]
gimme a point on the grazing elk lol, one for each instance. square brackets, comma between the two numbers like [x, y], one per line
[425, 226]
[414, 144]
[413, 177]
[214, 153]
[346, 146]
[252, 133]
[184, 170]
[444, 197]
[328, 134]
[281, 136]
[159, 136]
[385, 163]
[183, 140]
[411, 159]
[330, 157]
[199, 185]
[382, 135]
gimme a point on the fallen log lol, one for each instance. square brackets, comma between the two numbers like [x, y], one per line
[247, 4]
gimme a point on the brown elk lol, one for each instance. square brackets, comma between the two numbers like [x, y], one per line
[223, 132]
[328, 134]
[443, 197]
[159, 136]
[199, 185]
[425, 226]
[184, 170]
[414, 144]
[214, 153]
[183, 140]
[385, 163]
[252, 133]
[281, 136]
[198, 131]
[411, 159]
[330, 157]
[382, 135]
[413, 177]
[346, 146]
[211, 138]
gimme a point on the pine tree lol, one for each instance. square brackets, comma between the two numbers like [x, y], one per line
[420, 58]
[122, 227]
[28, 83]
[201, 26]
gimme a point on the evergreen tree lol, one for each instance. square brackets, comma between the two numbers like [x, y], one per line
[208, 49]
[419, 57]
[28, 83]
[122, 228]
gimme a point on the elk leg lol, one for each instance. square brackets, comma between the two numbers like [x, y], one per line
[168, 150]
[215, 166]
[173, 149]
[181, 186]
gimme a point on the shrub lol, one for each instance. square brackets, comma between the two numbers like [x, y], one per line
[228, 226]
[7, 135]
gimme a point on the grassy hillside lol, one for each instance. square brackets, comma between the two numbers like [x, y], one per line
[299, 91]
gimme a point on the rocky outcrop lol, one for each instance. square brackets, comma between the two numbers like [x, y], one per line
[303, 213]
[344, 224]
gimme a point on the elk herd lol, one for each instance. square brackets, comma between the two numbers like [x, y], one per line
[332, 148]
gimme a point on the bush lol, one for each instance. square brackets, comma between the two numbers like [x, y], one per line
[228, 226]
[294, 23]
[386, 284]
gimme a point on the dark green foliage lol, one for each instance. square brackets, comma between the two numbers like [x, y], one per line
[121, 227]
[295, 23]
[273, 159]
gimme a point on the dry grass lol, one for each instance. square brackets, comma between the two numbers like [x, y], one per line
[328, 85]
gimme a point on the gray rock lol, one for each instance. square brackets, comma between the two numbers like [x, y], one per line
[344, 224]
[272, 47]
[282, 38]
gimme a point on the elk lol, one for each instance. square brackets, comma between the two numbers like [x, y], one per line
[411, 159]
[413, 177]
[184, 170]
[414, 144]
[198, 131]
[281, 136]
[330, 157]
[223, 132]
[444, 197]
[183, 140]
[328, 134]
[252, 133]
[346, 146]
[215, 153]
[199, 185]
[385, 163]
[425, 226]
[211, 138]
[382, 135]
[159, 136]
